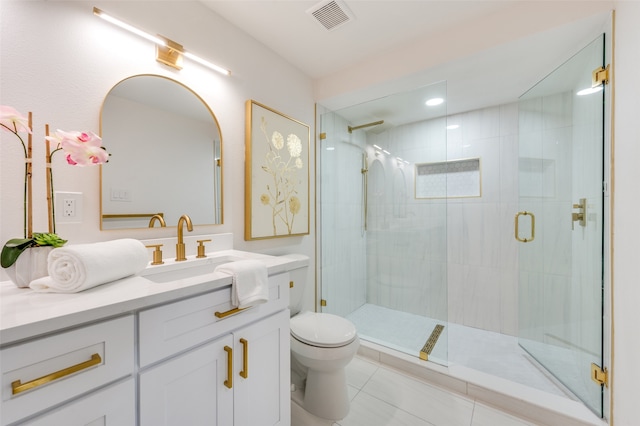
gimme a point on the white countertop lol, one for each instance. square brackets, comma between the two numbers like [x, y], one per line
[25, 313]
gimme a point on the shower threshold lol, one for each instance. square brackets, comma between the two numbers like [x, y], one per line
[486, 366]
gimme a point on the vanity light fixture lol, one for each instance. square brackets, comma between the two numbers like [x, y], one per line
[168, 51]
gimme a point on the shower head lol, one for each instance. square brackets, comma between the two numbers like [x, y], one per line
[362, 126]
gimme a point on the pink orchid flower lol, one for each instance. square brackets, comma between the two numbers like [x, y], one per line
[12, 121]
[81, 148]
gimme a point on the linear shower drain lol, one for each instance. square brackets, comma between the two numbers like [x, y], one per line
[431, 342]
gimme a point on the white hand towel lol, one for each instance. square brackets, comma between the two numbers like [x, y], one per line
[250, 285]
[82, 266]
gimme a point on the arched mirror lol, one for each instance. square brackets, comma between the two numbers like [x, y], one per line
[166, 155]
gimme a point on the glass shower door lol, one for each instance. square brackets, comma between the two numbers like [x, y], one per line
[560, 223]
[383, 245]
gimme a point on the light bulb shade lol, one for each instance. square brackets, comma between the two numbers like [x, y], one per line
[101, 14]
[207, 63]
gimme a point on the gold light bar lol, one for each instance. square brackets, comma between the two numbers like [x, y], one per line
[99, 13]
[168, 52]
[206, 63]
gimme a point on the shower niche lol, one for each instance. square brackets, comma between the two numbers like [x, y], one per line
[455, 178]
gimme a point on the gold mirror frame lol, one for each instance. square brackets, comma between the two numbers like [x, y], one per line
[184, 160]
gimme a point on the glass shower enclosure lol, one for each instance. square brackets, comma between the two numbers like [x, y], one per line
[416, 228]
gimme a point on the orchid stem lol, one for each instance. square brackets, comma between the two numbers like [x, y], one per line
[26, 174]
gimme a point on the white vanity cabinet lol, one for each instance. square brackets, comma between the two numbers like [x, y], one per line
[58, 371]
[140, 352]
[203, 363]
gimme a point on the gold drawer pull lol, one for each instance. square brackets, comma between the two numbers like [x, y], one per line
[229, 312]
[18, 387]
[229, 382]
[245, 359]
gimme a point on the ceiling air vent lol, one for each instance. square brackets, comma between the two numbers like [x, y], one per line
[331, 14]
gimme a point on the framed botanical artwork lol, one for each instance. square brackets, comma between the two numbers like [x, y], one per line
[276, 174]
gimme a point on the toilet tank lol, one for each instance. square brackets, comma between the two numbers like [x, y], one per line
[298, 276]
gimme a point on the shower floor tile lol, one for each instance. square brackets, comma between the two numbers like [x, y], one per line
[491, 353]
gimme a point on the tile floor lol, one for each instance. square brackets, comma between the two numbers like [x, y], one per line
[382, 396]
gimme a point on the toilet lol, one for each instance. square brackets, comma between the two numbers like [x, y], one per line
[321, 347]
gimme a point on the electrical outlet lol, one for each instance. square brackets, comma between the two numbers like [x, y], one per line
[68, 208]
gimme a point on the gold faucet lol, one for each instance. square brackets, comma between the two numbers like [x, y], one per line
[159, 218]
[180, 248]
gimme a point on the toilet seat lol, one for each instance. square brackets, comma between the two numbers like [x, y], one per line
[322, 330]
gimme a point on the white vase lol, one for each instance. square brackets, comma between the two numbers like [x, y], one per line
[30, 265]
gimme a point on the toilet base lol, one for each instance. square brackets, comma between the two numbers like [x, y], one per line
[326, 394]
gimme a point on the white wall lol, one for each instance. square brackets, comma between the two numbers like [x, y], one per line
[450, 258]
[626, 204]
[59, 61]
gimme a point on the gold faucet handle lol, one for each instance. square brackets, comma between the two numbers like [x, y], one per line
[157, 254]
[201, 248]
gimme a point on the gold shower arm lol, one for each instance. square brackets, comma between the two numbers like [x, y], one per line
[362, 126]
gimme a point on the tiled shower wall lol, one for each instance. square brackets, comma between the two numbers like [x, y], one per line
[453, 259]
[483, 260]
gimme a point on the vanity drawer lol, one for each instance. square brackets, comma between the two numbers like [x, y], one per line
[44, 372]
[175, 327]
[112, 406]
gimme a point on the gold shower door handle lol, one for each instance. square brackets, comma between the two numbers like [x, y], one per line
[229, 382]
[245, 359]
[533, 227]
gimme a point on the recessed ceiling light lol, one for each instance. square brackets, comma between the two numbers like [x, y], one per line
[589, 91]
[453, 126]
[434, 101]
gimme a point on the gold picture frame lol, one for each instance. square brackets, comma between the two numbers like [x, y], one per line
[276, 174]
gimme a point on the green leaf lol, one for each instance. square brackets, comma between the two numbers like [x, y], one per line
[12, 250]
[45, 239]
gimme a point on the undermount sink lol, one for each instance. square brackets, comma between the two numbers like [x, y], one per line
[188, 269]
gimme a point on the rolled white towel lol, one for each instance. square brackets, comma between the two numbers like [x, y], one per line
[250, 285]
[82, 266]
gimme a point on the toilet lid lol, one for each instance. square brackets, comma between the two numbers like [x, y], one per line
[323, 330]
